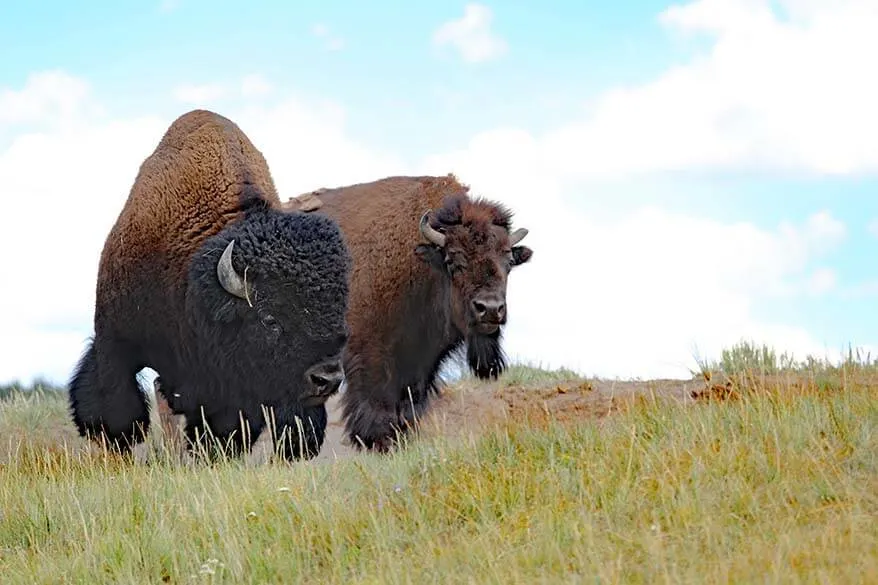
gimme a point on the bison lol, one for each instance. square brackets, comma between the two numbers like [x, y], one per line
[430, 268]
[238, 304]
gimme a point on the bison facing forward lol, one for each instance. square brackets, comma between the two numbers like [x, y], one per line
[423, 285]
[234, 302]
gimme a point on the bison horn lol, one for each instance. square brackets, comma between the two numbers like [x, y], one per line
[229, 279]
[517, 236]
[428, 232]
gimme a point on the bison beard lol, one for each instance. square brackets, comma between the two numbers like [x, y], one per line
[485, 356]
[296, 431]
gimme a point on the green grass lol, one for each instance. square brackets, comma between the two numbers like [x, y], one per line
[780, 486]
[748, 358]
[8, 391]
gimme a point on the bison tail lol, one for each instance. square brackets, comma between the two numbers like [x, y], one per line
[106, 403]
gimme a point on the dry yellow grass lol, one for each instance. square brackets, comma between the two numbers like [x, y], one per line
[779, 486]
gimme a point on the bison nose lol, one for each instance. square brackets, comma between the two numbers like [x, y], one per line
[489, 310]
[325, 378]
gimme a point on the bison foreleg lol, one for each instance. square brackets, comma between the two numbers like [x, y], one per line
[106, 402]
[167, 413]
[371, 425]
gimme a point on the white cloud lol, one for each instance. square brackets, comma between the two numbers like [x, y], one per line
[768, 94]
[76, 176]
[827, 227]
[81, 170]
[307, 146]
[634, 294]
[471, 35]
[255, 85]
[199, 95]
[332, 42]
[822, 281]
[47, 97]
[168, 5]
[207, 95]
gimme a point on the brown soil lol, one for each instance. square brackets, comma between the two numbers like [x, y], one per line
[469, 409]
[464, 410]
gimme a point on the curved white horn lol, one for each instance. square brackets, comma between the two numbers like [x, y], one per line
[517, 236]
[429, 233]
[225, 272]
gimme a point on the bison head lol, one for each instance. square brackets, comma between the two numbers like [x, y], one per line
[471, 245]
[274, 304]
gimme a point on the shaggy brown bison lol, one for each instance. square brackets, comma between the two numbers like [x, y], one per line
[236, 303]
[429, 275]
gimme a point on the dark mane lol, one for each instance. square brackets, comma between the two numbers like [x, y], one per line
[460, 209]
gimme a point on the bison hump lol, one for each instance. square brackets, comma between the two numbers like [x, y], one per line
[305, 202]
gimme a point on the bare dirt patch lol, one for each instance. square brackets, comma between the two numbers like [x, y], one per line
[471, 408]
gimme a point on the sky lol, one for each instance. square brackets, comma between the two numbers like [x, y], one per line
[692, 174]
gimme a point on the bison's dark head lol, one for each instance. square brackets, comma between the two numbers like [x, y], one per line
[276, 302]
[471, 245]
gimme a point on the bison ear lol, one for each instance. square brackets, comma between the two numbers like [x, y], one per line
[431, 255]
[520, 255]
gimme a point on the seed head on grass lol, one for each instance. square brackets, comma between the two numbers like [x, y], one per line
[779, 485]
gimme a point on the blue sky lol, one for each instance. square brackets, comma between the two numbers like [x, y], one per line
[727, 118]
[557, 55]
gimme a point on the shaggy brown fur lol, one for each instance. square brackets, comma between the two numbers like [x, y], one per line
[411, 302]
[159, 302]
[204, 174]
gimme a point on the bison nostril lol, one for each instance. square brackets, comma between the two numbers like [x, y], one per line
[489, 310]
[319, 381]
[325, 378]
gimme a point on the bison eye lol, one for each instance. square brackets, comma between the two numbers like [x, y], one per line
[269, 322]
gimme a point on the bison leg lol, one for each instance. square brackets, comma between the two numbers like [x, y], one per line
[164, 396]
[106, 401]
[299, 432]
[374, 425]
[370, 425]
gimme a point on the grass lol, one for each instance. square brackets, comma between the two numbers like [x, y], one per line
[779, 486]
[526, 374]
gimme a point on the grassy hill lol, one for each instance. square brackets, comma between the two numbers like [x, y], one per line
[757, 470]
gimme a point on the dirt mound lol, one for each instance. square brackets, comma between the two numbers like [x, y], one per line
[565, 401]
[471, 408]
